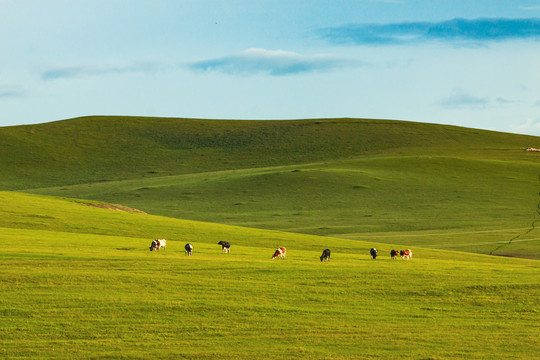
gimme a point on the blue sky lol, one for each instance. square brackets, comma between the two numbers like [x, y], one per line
[467, 63]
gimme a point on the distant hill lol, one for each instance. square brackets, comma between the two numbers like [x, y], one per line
[421, 184]
[92, 149]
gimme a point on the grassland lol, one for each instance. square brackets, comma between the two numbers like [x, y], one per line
[78, 281]
[417, 184]
[457, 201]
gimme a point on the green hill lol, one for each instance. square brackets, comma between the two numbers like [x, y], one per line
[93, 149]
[77, 281]
[410, 183]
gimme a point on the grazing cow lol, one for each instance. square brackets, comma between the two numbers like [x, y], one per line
[325, 255]
[406, 254]
[394, 254]
[158, 244]
[189, 249]
[280, 252]
[225, 246]
[373, 253]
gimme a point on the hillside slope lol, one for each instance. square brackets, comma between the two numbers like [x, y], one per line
[93, 149]
[426, 184]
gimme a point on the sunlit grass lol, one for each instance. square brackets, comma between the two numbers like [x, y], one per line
[71, 292]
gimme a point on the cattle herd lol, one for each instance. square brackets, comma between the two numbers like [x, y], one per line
[280, 252]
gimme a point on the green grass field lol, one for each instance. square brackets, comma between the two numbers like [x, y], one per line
[456, 200]
[348, 178]
[79, 282]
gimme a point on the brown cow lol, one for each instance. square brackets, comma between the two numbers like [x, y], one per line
[280, 252]
[406, 254]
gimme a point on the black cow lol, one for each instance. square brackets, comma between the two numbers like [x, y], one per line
[394, 254]
[189, 249]
[325, 255]
[225, 246]
[373, 253]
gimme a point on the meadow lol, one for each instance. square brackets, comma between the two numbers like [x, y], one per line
[421, 184]
[85, 285]
[437, 201]
[81, 200]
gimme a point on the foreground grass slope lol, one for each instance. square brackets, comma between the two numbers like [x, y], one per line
[78, 281]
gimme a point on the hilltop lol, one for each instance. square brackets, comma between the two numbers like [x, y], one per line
[99, 148]
[421, 184]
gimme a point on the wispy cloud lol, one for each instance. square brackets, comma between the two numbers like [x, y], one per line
[529, 126]
[504, 101]
[461, 99]
[530, 7]
[84, 71]
[11, 92]
[456, 30]
[271, 62]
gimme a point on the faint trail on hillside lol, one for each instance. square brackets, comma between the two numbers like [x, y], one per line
[440, 246]
[533, 226]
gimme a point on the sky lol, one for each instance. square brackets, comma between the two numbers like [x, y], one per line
[458, 62]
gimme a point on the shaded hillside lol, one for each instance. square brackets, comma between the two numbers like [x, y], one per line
[94, 149]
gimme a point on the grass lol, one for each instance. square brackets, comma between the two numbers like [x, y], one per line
[94, 149]
[73, 293]
[78, 281]
[492, 200]
[336, 177]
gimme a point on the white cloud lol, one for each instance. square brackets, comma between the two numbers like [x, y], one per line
[271, 62]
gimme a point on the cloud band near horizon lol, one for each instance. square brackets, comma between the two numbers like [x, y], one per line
[455, 30]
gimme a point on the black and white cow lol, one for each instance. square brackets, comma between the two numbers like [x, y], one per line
[325, 255]
[158, 244]
[189, 249]
[225, 246]
[373, 253]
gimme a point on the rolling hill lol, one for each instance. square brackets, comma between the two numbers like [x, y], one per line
[421, 184]
[78, 280]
